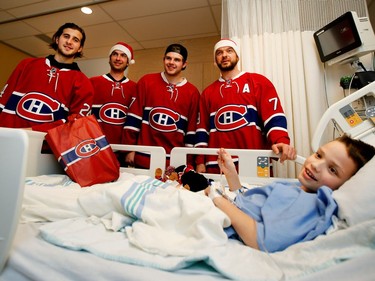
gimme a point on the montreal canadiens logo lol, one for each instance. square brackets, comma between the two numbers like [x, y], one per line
[163, 119]
[230, 117]
[37, 107]
[87, 148]
[113, 113]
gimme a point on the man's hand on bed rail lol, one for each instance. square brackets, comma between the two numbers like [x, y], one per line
[284, 151]
[201, 168]
[129, 158]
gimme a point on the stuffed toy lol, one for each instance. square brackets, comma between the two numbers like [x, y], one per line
[184, 175]
[192, 180]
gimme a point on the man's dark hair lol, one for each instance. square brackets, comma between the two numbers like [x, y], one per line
[60, 31]
[177, 48]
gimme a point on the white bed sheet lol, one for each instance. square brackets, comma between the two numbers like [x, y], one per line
[32, 258]
[233, 260]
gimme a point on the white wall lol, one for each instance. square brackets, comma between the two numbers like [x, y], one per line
[94, 67]
[200, 70]
[334, 92]
[335, 72]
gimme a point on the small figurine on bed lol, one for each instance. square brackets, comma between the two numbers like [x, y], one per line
[169, 174]
[159, 174]
[278, 215]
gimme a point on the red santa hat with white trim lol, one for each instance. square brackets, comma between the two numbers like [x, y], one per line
[126, 48]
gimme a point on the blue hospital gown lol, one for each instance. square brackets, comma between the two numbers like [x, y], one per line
[285, 214]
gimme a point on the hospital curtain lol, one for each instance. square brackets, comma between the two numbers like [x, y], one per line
[276, 40]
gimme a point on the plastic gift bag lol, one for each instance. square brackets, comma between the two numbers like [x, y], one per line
[83, 151]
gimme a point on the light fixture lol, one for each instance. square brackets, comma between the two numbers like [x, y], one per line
[86, 10]
[53, 11]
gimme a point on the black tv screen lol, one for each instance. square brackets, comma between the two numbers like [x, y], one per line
[337, 37]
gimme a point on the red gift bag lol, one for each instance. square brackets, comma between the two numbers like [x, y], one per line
[83, 151]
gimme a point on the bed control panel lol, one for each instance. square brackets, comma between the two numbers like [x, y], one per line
[263, 166]
[365, 107]
[350, 115]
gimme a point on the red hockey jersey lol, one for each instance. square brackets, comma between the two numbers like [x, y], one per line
[41, 93]
[244, 113]
[111, 103]
[163, 114]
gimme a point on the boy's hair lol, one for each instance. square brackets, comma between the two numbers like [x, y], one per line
[60, 31]
[358, 150]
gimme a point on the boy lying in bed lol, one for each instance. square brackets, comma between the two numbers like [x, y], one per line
[283, 213]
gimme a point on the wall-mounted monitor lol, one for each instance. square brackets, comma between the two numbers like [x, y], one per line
[345, 39]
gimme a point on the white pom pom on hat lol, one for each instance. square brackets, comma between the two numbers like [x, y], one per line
[123, 47]
[227, 43]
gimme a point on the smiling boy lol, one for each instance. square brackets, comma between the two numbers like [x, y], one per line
[275, 216]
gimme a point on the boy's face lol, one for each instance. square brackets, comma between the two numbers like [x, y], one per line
[330, 166]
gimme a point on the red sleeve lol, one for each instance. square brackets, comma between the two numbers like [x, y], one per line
[202, 127]
[12, 82]
[271, 111]
[134, 117]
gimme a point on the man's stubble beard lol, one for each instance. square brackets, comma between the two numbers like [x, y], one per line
[230, 67]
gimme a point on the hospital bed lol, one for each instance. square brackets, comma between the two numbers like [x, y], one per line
[56, 241]
[354, 115]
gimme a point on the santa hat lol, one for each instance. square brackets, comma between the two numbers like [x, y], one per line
[123, 47]
[227, 43]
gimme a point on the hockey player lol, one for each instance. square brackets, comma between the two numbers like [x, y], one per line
[42, 93]
[240, 110]
[113, 92]
[165, 111]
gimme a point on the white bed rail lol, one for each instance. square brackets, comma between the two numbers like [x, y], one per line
[38, 163]
[347, 119]
[14, 145]
[45, 164]
[157, 160]
[254, 164]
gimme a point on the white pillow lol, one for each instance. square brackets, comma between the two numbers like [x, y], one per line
[356, 197]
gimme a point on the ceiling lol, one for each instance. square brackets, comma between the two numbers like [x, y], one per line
[28, 25]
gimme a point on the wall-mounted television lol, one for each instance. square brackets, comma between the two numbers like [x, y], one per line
[345, 39]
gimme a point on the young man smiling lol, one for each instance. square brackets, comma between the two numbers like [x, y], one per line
[114, 92]
[42, 93]
[165, 111]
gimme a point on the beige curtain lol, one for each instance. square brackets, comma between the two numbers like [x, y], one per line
[276, 40]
